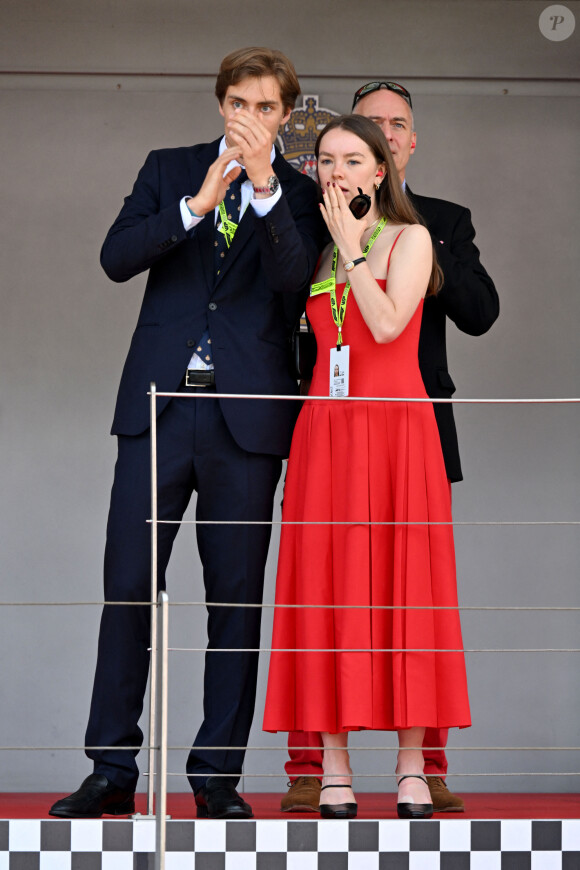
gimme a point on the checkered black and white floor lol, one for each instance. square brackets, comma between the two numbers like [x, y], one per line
[514, 844]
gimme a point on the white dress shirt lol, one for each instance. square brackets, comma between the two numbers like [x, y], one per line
[260, 206]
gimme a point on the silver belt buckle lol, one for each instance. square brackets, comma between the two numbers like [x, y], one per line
[187, 382]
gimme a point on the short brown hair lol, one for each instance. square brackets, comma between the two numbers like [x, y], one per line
[258, 62]
[391, 201]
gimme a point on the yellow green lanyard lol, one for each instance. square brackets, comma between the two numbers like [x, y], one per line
[227, 227]
[329, 285]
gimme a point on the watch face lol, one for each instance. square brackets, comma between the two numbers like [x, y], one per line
[273, 183]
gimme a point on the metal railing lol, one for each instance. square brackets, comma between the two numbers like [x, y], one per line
[159, 637]
[157, 748]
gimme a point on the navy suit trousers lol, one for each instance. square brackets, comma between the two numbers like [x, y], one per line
[195, 452]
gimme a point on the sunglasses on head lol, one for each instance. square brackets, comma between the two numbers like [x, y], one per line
[370, 87]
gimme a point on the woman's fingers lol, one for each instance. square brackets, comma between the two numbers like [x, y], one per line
[331, 192]
[336, 197]
[327, 208]
[341, 198]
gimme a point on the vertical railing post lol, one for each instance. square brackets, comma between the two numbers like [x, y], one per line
[153, 669]
[160, 665]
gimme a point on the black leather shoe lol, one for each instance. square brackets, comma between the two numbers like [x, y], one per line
[413, 811]
[218, 799]
[338, 811]
[95, 796]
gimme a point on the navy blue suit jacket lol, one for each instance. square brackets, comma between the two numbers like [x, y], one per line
[249, 308]
[468, 297]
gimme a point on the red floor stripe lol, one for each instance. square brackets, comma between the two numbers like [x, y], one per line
[16, 805]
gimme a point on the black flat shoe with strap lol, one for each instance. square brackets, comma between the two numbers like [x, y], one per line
[338, 811]
[410, 810]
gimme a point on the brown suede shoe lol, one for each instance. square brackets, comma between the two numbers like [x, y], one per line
[303, 796]
[443, 800]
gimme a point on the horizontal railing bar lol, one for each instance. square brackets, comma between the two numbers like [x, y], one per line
[367, 522]
[285, 748]
[384, 775]
[367, 650]
[405, 399]
[511, 608]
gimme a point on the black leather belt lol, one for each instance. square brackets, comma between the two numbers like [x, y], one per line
[199, 378]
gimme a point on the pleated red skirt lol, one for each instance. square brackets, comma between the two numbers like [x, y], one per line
[372, 644]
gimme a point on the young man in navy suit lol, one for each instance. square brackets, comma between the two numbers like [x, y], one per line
[229, 234]
[468, 297]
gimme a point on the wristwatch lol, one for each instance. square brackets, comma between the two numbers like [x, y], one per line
[348, 267]
[272, 186]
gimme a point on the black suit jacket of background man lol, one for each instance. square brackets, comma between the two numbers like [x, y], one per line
[468, 297]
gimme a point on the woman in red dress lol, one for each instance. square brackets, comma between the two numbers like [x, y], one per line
[367, 542]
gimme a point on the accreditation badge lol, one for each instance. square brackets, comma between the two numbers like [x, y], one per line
[339, 365]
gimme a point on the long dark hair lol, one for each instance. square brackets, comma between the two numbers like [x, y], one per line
[391, 201]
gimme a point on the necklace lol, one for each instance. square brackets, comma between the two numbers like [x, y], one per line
[370, 226]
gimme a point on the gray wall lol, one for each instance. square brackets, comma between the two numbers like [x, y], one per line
[87, 89]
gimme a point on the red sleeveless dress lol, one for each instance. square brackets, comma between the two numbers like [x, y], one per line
[360, 463]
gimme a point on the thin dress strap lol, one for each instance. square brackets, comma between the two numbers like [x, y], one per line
[392, 247]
